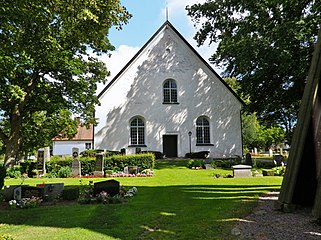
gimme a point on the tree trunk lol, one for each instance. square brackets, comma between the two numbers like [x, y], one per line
[13, 142]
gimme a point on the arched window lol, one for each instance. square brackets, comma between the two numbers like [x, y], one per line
[170, 91]
[137, 131]
[202, 131]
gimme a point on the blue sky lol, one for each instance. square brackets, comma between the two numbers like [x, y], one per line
[148, 16]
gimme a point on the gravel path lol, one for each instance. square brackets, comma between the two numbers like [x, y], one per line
[267, 223]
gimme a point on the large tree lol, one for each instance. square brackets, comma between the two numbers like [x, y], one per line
[47, 66]
[267, 45]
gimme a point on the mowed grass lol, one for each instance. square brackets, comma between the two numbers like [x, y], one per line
[177, 203]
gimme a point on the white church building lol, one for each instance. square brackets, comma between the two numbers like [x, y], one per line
[169, 99]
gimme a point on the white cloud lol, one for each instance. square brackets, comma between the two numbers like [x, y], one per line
[119, 58]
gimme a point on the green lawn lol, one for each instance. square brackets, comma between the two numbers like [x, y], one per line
[177, 203]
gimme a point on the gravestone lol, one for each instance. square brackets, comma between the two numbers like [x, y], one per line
[112, 187]
[17, 194]
[51, 191]
[242, 171]
[29, 191]
[76, 166]
[41, 163]
[99, 169]
[248, 159]
[133, 169]
[279, 160]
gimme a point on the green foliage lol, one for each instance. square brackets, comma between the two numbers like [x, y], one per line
[267, 45]
[56, 163]
[88, 165]
[50, 67]
[195, 164]
[257, 135]
[64, 172]
[118, 162]
[279, 171]
[13, 172]
[28, 167]
[225, 163]
[6, 237]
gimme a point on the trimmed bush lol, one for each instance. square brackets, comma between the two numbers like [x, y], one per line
[88, 165]
[157, 154]
[118, 162]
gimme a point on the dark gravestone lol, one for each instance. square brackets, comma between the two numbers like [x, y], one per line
[112, 187]
[29, 191]
[123, 151]
[51, 191]
[248, 159]
[99, 169]
[278, 160]
[41, 163]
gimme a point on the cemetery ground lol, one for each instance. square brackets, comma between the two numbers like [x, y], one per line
[176, 203]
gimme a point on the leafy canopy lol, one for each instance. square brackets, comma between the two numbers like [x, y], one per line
[267, 45]
[47, 69]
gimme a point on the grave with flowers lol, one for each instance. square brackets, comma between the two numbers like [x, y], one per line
[25, 196]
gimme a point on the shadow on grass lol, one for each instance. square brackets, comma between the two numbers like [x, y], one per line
[173, 212]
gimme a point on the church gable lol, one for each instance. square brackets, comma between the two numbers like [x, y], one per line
[168, 88]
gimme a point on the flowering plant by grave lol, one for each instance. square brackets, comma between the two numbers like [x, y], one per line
[103, 197]
[32, 202]
[131, 192]
[13, 204]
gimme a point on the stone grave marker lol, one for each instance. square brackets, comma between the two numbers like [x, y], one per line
[112, 187]
[76, 166]
[278, 160]
[30, 191]
[242, 171]
[248, 159]
[52, 190]
[41, 163]
[99, 169]
[17, 194]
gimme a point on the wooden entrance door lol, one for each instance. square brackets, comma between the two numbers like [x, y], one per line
[170, 145]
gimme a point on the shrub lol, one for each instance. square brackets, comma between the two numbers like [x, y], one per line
[64, 172]
[6, 237]
[195, 164]
[27, 167]
[279, 171]
[157, 154]
[118, 162]
[70, 193]
[88, 165]
[13, 172]
[55, 163]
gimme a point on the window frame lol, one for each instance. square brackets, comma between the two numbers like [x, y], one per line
[137, 132]
[170, 92]
[203, 128]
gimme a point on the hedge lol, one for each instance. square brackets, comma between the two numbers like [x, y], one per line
[118, 162]
[115, 163]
